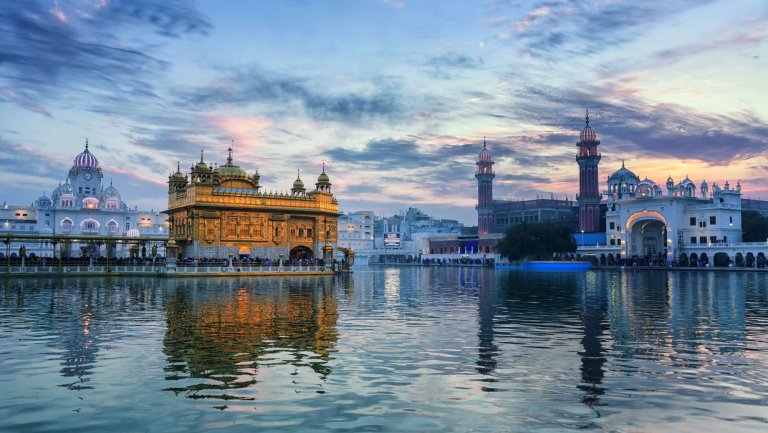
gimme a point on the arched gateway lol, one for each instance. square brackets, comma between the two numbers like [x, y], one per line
[646, 234]
[300, 252]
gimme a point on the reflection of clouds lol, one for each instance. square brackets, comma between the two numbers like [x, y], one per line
[688, 337]
[81, 317]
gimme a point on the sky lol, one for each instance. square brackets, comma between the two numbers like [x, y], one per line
[394, 96]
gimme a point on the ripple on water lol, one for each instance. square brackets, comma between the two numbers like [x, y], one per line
[442, 349]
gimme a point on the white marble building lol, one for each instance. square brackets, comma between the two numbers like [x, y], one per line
[82, 205]
[680, 222]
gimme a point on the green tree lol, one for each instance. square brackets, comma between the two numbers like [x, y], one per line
[754, 226]
[536, 240]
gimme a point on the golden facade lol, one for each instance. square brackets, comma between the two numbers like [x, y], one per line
[222, 211]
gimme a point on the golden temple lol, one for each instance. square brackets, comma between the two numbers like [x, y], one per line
[219, 212]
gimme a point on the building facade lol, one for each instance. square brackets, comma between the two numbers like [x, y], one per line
[645, 220]
[510, 212]
[679, 221]
[496, 216]
[222, 212]
[82, 206]
[356, 231]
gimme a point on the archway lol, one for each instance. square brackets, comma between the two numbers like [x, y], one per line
[300, 252]
[610, 260]
[602, 259]
[750, 261]
[683, 260]
[647, 234]
[761, 260]
[694, 260]
[721, 260]
[704, 259]
[739, 260]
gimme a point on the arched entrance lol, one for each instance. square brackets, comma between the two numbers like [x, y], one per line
[647, 234]
[602, 259]
[722, 260]
[761, 260]
[683, 260]
[704, 259]
[739, 260]
[750, 262]
[694, 260]
[300, 253]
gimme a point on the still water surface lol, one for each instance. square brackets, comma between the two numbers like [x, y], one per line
[387, 349]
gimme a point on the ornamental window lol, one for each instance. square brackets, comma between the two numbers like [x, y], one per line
[89, 226]
[66, 225]
[112, 227]
[90, 203]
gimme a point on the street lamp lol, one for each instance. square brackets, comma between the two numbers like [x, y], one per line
[582, 238]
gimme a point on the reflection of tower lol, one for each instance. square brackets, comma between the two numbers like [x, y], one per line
[589, 195]
[487, 350]
[484, 177]
[81, 349]
[594, 309]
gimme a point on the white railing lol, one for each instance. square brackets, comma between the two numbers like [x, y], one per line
[714, 206]
[158, 268]
[728, 245]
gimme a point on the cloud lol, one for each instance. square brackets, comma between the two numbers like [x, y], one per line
[440, 66]
[521, 177]
[554, 29]
[46, 53]
[286, 95]
[171, 18]
[635, 127]
[32, 172]
[390, 153]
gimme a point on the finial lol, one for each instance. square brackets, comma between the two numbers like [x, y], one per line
[323, 167]
[622, 163]
[178, 166]
[86, 144]
[587, 116]
[298, 173]
[483, 141]
[201, 155]
[229, 158]
[110, 181]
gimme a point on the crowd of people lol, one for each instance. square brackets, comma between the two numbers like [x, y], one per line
[247, 261]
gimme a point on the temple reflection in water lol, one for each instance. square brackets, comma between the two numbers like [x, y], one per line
[221, 332]
[529, 343]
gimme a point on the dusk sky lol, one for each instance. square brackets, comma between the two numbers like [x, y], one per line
[394, 96]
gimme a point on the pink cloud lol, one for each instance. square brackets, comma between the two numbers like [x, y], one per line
[247, 132]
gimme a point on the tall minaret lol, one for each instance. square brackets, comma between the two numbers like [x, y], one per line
[484, 177]
[589, 194]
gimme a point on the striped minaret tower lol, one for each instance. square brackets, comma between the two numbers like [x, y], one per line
[589, 194]
[484, 176]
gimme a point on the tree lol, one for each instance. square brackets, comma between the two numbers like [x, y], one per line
[536, 240]
[754, 226]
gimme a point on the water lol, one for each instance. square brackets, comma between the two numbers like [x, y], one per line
[395, 349]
